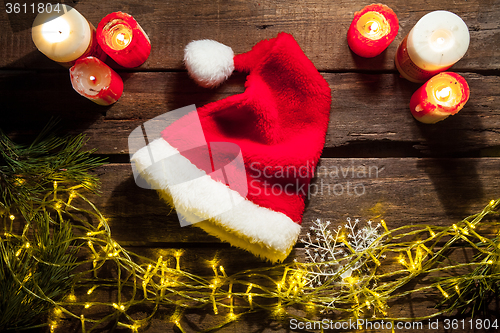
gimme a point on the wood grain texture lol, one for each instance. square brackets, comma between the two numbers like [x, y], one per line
[378, 162]
[369, 116]
[319, 26]
[402, 191]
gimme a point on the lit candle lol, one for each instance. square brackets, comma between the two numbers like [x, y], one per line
[64, 35]
[123, 39]
[434, 44]
[94, 79]
[372, 30]
[443, 95]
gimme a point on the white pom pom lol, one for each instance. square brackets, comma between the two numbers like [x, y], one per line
[209, 62]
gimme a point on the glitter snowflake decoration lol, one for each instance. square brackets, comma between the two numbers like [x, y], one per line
[333, 251]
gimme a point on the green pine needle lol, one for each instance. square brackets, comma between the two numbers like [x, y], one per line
[38, 250]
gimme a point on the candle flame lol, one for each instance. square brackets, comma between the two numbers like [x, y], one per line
[444, 93]
[374, 27]
[56, 30]
[92, 78]
[118, 35]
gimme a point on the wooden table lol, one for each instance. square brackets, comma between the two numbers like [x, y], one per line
[426, 173]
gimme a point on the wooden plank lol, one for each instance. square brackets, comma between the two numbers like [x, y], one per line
[369, 117]
[319, 26]
[401, 191]
[195, 261]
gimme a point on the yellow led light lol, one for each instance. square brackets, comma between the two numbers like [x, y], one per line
[93, 233]
[490, 262]
[216, 311]
[87, 305]
[178, 255]
[91, 290]
[12, 217]
[445, 294]
[492, 202]
[382, 222]
[135, 327]
[351, 280]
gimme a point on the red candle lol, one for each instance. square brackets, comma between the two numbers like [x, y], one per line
[372, 30]
[123, 39]
[94, 79]
[443, 95]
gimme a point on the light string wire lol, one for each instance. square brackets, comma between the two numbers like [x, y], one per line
[282, 290]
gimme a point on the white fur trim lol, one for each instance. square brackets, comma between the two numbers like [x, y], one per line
[209, 62]
[225, 212]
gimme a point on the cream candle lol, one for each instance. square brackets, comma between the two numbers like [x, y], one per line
[65, 35]
[94, 80]
[434, 44]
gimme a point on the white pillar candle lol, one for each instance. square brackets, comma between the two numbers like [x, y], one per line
[434, 44]
[64, 35]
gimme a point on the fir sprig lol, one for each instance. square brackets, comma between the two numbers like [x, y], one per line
[29, 171]
[34, 266]
[38, 250]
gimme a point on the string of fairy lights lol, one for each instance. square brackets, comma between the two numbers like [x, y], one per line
[284, 291]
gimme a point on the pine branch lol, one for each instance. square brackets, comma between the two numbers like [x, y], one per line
[28, 171]
[36, 264]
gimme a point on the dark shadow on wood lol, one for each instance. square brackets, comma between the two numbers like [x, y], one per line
[375, 63]
[30, 100]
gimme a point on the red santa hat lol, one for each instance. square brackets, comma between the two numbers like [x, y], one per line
[277, 126]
